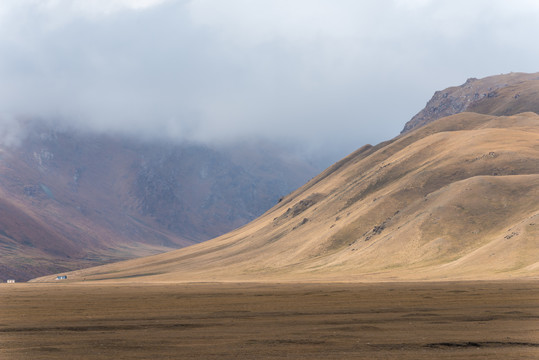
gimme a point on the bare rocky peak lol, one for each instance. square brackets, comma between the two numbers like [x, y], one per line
[473, 95]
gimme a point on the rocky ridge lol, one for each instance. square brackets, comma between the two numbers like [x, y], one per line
[479, 95]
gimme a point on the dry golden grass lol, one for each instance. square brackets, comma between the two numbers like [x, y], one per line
[325, 274]
[474, 320]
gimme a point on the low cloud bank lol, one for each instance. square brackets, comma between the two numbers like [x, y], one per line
[329, 76]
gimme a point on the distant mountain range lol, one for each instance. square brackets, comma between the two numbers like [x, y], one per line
[70, 200]
[456, 196]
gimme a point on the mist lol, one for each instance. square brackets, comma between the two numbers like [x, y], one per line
[324, 76]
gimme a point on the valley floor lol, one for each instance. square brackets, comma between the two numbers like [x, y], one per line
[465, 320]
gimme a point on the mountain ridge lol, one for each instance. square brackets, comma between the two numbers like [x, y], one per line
[493, 95]
[419, 207]
[453, 198]
[82, 200]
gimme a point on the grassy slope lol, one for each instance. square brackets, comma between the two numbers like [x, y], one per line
[456, 199]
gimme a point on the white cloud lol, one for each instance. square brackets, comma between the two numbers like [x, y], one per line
[92, 7]
[108, 7]
[332, 74]
[255, 22]
[11, 131]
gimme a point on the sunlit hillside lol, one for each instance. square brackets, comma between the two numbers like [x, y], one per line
[455, 199]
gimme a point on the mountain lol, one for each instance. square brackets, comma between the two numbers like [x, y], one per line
[456, 198]
[70, 200]
[507, 94]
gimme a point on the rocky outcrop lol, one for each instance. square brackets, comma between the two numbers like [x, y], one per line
[479, 95]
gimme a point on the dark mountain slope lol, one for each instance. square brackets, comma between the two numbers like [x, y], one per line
[70, 200]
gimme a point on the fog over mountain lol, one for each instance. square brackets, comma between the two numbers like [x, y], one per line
[213, 71]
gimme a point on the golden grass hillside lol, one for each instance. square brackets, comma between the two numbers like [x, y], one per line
[455, 199]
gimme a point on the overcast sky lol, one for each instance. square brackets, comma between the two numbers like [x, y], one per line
[330, 75]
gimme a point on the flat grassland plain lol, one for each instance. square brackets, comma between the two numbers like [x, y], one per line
[442, 320]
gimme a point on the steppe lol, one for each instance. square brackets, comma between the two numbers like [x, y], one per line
[421, 247]
[442, 320]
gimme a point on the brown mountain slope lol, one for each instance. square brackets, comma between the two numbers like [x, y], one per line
[455, 199]
[507, 94]
[70, 200]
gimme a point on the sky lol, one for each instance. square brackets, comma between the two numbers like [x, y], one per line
[326, 75]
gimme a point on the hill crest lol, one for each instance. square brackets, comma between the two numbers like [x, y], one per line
[454, 199]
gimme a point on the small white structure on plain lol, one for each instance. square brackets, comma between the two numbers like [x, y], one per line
[11, 281]
[61, 277]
